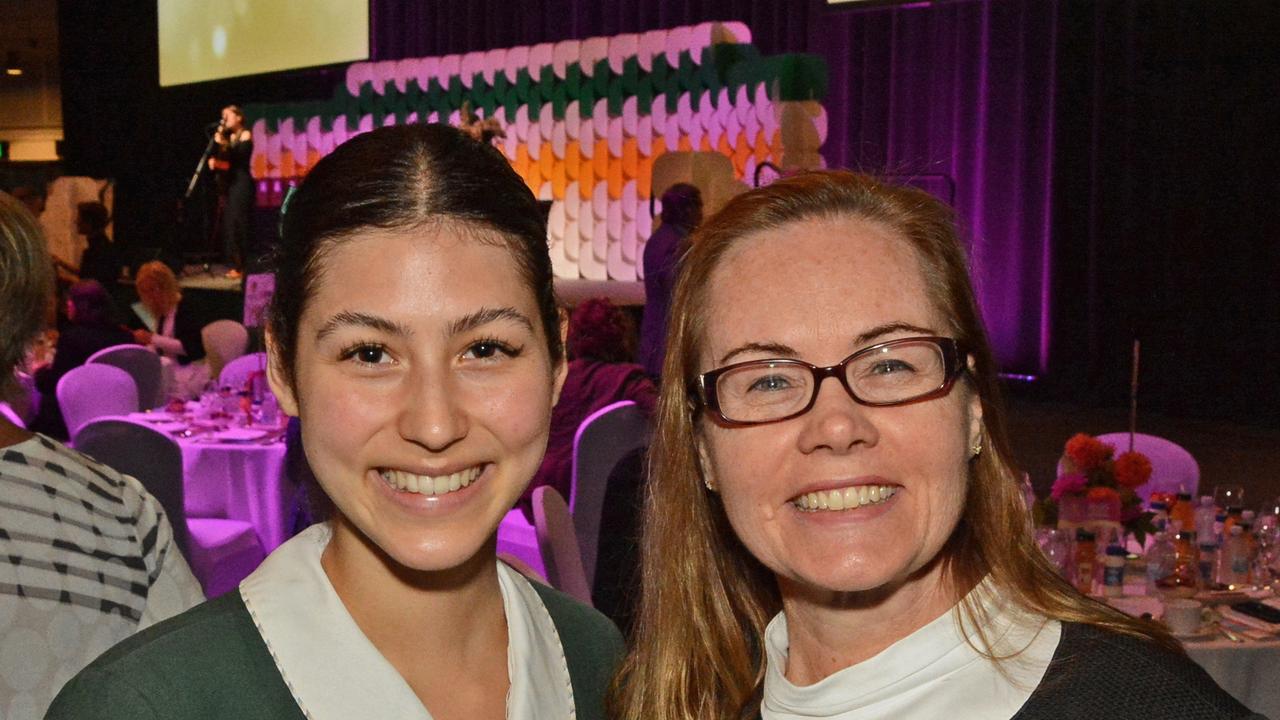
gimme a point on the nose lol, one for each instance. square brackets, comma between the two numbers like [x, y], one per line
[433, 415]
[836, 423]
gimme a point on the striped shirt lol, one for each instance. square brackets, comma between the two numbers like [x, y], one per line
[87, 558]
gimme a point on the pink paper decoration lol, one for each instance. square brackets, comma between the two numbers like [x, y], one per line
[384, 72]
[652, 43]
[406, 70]
[358, 74]
[448, 66]
[616, 266]
[684, 114]
[517, 57]
[540, 56]
[494, 62]
[472, 64]
[742, 107]
[427, 69]
[630, 116]
[677, 42]
[615, 137]
[601, 116]
[629, 243]
[622, 47]
[572, 200]
[593, 51]
[630, 200]
[563, 54]
[313, 133]
[587, 137]
[644, 136]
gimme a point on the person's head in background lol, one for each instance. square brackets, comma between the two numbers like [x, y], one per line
[601, 331]
[92, 218]
[158, 288]
[682, 206]
[26, 282]
[233, 118]
[88, 303]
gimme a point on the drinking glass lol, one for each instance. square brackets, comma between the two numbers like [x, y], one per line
[1058, 546]
[1228, 496]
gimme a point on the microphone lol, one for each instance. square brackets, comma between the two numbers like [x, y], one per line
[218, 125]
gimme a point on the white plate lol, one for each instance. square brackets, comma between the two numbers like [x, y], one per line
[239, 435]
[151, 417]
[1206, 632]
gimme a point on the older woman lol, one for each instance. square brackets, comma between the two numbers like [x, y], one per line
[159, 320]
[835, 528]
[415, 334]
[89, 555]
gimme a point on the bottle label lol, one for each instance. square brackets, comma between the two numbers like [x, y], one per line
[1113, 576]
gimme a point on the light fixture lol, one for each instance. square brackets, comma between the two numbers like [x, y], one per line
[11, 66]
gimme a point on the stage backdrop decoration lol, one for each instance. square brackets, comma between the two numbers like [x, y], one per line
[585, 122]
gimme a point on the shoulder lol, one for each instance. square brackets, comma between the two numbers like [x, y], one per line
[207, 662]
[1096, 671]
[592, 647]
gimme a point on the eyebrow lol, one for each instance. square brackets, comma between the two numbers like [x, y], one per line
[786, 351]
[348, 318]
[484, 316]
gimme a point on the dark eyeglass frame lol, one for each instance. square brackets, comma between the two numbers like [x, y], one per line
[953, 359]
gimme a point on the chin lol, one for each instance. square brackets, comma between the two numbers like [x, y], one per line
[436, 553]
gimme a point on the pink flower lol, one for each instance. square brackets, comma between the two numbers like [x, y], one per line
[1068, 485]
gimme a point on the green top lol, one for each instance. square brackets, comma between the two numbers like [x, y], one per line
[210, 662]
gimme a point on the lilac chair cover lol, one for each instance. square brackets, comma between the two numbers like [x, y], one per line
[224, 341]
[236, 373]
[92, 391]
[221, 552]
[558, 544]
[11, 415]
[603, 440]
[1173, 469]
[142, 364]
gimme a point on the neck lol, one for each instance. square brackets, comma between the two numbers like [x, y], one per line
[828, 631]
[412, 616]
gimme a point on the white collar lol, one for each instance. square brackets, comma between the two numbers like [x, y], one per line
[335, 673]
[933, 672]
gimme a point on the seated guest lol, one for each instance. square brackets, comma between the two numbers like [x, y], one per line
[599, 375]
[101, 260]
[88, 330]
[681, 213]
[835, 527]
[90, 557]
[160, 321]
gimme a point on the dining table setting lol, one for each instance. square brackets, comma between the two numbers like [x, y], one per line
[233, 457]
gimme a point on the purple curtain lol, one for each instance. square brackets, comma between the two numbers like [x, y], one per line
[958, 96]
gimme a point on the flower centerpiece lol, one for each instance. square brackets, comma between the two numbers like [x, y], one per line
[1098, 486]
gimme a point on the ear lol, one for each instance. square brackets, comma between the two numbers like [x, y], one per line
[974, 412]
[705, 464]
[562, 368]
[280, 387]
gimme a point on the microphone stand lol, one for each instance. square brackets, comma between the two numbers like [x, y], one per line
[204, 159]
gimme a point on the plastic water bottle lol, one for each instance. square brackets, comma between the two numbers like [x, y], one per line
[1113, 571]
[1160, 515]
[1205, 515]
[1160, 561]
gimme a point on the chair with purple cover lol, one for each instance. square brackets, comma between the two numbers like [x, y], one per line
[142, 364]
[221, 552]
[606, 437]
[11, 415]
[558, 544]
[1173, 468]
[224, 341]
[236, 373]
[92, 391]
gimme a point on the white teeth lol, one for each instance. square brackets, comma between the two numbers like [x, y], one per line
[846, 499]
[428, 484]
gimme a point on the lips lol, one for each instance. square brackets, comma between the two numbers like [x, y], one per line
[847, 498]
[405, 481]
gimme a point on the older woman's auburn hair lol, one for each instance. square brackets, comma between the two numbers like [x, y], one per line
[26, 281]
[161, 276]
[698, 643]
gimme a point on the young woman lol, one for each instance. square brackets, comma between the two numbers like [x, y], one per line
[834, 527]
[414, 332]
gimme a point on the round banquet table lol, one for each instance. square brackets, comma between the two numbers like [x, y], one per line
[239, 481]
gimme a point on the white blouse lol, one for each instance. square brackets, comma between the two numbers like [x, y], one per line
[931, 673]
[335, 672]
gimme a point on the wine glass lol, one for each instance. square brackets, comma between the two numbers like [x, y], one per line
[1228, 496]
[1058, 546]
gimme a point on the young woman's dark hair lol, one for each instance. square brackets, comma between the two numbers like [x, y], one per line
[91, 302]
[402, 177]
[95, 215]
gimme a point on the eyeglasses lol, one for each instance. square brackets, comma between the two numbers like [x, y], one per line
[890, 373]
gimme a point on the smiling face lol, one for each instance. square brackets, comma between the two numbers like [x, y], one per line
[425, 386]
[819, 290]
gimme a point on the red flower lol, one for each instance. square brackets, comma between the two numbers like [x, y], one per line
[1132, 469]
[1103, 493]
[1087, 452]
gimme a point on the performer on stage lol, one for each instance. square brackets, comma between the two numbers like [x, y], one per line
[235, 184]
